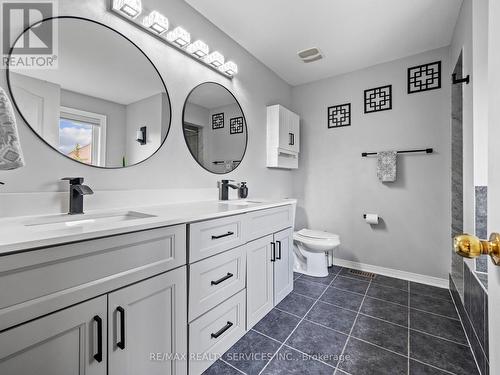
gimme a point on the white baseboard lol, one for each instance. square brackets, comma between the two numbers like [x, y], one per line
[410, 276]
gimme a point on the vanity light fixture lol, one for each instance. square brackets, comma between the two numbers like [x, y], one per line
[156, 22]
[179, 37]
[198, 48]
[129, 8]
[229, 68]
[215, 59]
[141, 135]
[158, 25]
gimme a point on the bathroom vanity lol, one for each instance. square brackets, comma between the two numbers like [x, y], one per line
[160, 290]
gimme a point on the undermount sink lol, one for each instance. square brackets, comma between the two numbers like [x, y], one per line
[67, 222]
[242, 202]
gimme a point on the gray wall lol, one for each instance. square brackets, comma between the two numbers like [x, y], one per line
[336, 186]
[172, 167]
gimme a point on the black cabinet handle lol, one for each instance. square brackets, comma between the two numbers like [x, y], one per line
[273, 252]
[279, 250]
[217, 282]
[222, 235]
[121, 343]
[222, 330]
[291, 142]
[98, 355]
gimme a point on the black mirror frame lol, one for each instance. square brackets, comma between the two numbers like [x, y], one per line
[7, 72]
[184, 133]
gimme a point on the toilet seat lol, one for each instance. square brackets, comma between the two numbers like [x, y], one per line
[317, 240]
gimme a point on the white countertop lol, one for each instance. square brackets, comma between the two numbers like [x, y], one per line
[17, 235]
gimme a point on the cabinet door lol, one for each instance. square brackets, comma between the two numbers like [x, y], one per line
[294, 125]
[285, 137]
[283, 266]
[68, 342]
[259, 279]
[147, 325]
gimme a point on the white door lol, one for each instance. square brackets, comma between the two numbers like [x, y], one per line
[283, 266]
[147, 324]
[68, 342]
[259, 279]
[494, 180]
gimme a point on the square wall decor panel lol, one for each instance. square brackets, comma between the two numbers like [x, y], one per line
[378, 99]
[424, 77]
[218, 120]
[339, 115]
[236, 125]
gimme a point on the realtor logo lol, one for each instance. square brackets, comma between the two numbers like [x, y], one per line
[26, 41]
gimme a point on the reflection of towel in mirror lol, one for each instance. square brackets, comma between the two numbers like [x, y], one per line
[386, 166]
[11, 156]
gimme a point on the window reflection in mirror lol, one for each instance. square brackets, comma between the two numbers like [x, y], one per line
[215, 128]
[103, 90]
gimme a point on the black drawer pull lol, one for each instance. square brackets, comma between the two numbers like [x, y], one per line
[217, 282]
[279, 250]
[98, 355]
[273, 252]
[222, 330]
[222, 235]
[121, 343]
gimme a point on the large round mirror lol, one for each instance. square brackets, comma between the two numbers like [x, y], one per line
[104, 104]
[215, 128]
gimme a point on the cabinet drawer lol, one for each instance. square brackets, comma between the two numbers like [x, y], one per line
[211, 237]
[215, 332]
[263, 222]
[39, 282]
[215, 279]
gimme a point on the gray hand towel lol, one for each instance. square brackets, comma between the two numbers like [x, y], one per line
[11, 155]
[386, 166]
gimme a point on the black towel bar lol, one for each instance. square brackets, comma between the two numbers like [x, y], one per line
[426, 150]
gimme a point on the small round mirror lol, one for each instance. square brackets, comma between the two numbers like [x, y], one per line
[215, 128]
[104, 104]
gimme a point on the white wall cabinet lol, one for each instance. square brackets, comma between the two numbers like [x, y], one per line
[283, 137]
[68, 342]
[145, 319]
[269, 273]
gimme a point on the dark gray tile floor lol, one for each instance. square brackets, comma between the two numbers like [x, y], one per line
[345, 324]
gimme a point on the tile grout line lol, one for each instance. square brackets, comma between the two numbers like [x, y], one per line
[230, 365]
[291, 333]
[352, 328]
[434, 367]
[409, 322]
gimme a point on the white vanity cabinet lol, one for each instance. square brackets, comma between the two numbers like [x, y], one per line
[270, 273]
[71, 341]
[283, 137]
[146, 323]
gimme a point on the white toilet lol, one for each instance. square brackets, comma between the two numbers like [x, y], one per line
[311, 248]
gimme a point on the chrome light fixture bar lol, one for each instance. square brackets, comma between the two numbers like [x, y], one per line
[158, 24]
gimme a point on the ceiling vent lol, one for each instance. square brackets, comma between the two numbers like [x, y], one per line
[310, 55]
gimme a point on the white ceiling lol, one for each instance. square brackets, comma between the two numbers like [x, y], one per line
[352, 34]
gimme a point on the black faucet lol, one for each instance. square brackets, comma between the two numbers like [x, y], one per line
[224, 186]
[76, 192]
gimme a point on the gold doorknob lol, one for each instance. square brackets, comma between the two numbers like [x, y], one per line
[469, 246]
